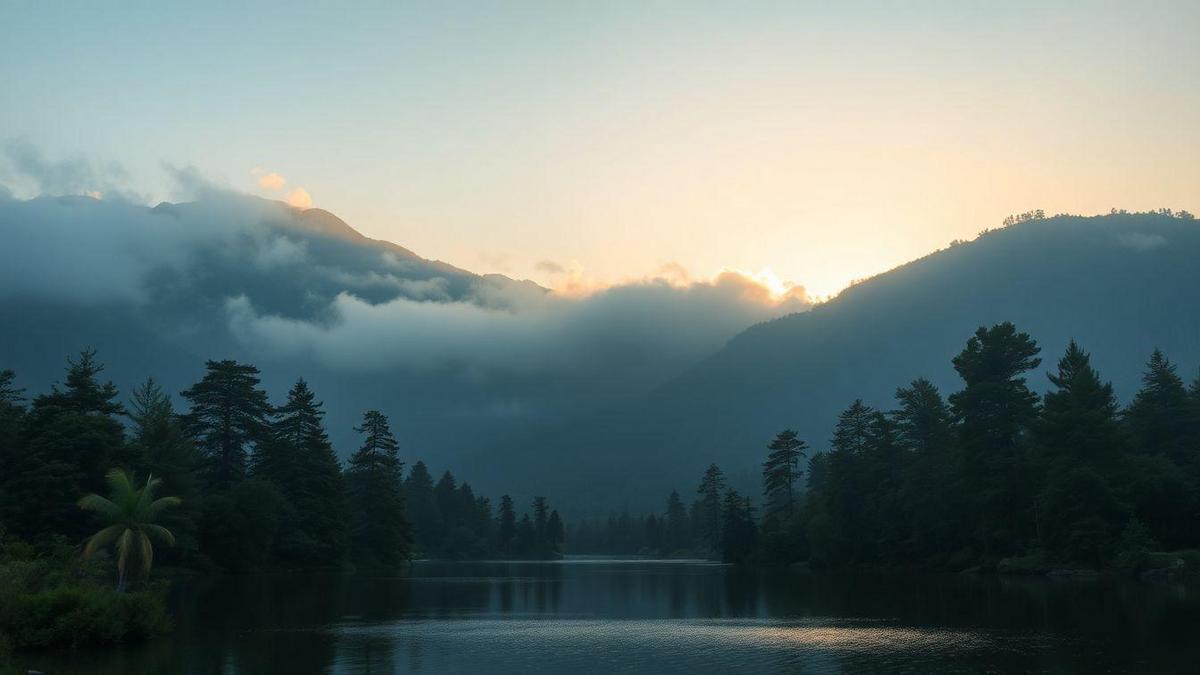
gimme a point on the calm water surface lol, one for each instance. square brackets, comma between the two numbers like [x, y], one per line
[600, 616]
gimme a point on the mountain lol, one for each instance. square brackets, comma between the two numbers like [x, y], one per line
[455, 359]
[1120, 284]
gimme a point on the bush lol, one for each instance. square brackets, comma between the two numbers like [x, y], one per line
[55, 600]
[74, 616]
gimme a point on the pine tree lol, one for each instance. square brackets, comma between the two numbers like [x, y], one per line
[737, 528]
[507, 526]
[997, 410]
[299, 459]
[541, 515]
[12, 418]
[708, 509]
[72, 438]
[379, 532]
[931, 488]
[677, 535]
[165, 452]
[555, 532]
[1161, 416]
[229, 413]
[782, 470]
[423, 508]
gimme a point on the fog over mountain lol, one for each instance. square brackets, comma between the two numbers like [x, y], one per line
[1119, 284]
[456, 359]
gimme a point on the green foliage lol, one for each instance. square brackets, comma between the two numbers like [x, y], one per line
[51, 598]
[129, 514]
[300, 461]
[781, 471]
[229, 413]
[380, 533]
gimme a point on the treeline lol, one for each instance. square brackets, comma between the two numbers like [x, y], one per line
[993, 475]
[260, 484]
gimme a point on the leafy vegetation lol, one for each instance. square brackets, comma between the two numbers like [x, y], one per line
[992, 476]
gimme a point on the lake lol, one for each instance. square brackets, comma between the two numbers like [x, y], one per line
[606, 615]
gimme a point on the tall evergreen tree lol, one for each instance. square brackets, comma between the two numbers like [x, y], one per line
[230, 412]
[997, 410]
[931, 488]
[423, 508]
[72, 438]
[1161, 416]
[541, 515]
[12, 417]
[708, 509]
[507, 526]
[164, 451]
[300, 461]
[555, 532]
[379, 532]
[677, 535]
[781, 471]
[737, 528]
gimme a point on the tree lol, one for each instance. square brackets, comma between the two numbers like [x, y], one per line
[931, 489]
[163, 450]
[737, 528]
[541, 514]
[71, 437]
[299, 459]
[379, 532]
[423, 507]
[1161, 416]
[507, 526]
[782, 470]
[129, 513]
[708, 509]
[229, 413]
[677, 535]
[12, 417]
[997, 410]
[555, 532]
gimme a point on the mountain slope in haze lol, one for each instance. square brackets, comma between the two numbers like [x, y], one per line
[454, 358]
[1120, 284]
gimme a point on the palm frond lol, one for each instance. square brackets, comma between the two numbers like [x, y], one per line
[105, 507]
[147, 551]
[101, 539]
[123, 545]
[161, 533]
[158, 505]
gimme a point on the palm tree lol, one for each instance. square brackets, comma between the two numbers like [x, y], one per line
[130, 514]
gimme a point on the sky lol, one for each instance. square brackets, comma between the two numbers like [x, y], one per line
[587, 144]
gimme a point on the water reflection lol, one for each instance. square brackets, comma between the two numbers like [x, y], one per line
[601, 616]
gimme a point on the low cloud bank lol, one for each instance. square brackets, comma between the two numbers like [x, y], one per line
[285, 290]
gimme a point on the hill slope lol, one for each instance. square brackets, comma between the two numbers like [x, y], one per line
[1120, 284]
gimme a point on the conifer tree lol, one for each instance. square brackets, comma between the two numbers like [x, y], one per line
[229, 413]
[677, 534]
[1161, 416]
[782, 470]
[997, 410]
[708, 507]
[72, 438]
[555, 532]
[423, 508]
[379, 531]
[507, 526]
[164, 451]
[300, 461]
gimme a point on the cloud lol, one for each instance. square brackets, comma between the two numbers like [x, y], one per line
[550, 267]
[73, 176]
[1141, 241]
[271, 181]
[299, 198]
[255, 270]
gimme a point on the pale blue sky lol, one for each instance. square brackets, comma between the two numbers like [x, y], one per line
[823, 141]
